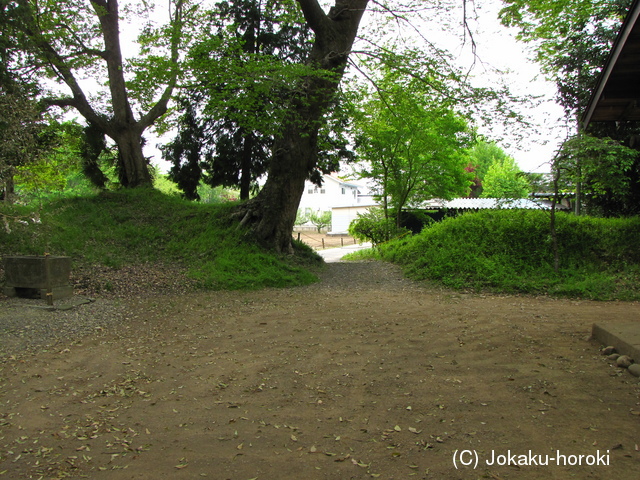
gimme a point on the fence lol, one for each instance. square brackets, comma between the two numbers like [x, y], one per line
[321, 241]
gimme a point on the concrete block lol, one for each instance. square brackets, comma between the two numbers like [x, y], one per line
[625, 336]
[33, 276]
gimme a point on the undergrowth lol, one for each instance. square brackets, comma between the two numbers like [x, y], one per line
[511, 252]
[144, 225]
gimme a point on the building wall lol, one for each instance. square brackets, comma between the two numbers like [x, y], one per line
[333, 193]
[341, 217]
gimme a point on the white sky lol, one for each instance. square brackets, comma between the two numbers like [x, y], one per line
[498, 47]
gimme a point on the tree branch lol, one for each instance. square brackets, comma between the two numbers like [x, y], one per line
[314, 15]
[64, 72]
[160, 107]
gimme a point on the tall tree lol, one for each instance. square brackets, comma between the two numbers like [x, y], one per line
[504, 179]
[69, 40]
[574, 38]
[272, 213]
[22, 131]
[414, 145]
[227, 127]
[601, 166]
[482, 155]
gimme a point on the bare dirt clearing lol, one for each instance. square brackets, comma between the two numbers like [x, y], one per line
[365, 375]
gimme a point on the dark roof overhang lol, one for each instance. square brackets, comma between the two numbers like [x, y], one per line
[617, 93]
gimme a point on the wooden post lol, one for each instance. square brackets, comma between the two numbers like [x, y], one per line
[323, 242]
[47, 273]
[341, 241]
[298, 236]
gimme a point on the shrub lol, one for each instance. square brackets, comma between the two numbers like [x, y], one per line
[511, 251]
[373, 227]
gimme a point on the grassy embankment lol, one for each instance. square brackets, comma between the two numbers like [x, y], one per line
[511, 252]
[138, 226]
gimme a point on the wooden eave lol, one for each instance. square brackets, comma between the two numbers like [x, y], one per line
[617, 94]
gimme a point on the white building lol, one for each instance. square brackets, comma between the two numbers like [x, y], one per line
[333, 193]
[343, 198]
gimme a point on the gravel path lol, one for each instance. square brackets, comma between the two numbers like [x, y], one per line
[99, 305]
[27, 325]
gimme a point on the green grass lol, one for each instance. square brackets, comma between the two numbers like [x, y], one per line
[145, 225]
[511, 252]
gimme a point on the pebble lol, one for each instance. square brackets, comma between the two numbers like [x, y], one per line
[608, 350]
[635, 369]
[624, 361]
[613, 357]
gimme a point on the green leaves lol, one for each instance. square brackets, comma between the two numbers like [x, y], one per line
[572, 39]
[599, 165]
[504, 179]
[413, 143]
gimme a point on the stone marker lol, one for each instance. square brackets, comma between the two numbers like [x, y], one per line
[45, 277]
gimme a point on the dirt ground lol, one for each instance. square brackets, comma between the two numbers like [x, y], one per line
[364, 375]
[320, 241]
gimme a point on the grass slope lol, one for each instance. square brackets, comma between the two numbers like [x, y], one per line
[511, 251]
[144, 225]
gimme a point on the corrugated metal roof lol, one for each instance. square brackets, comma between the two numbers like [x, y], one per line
[489, 204]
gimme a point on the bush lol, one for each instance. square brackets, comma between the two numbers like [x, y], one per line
[373, 227]
[511, 251]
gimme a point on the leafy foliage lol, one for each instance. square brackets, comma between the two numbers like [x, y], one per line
[374, 227]
[23, 132]
[320, 219]
[72, 40]
[301, 217]
[504, 179]
[245, 70]
[600, 166]
[510, 251]
[413, 144]
[573, 39]
[482, 155]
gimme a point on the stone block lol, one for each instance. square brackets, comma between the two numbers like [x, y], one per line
[33, 276]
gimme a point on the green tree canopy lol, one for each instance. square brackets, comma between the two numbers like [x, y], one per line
[240, 67]
[24, 134]
[482, 155]
[70, 41]
[413, 145]
[572, 40]
[600, 168]
[504, 179]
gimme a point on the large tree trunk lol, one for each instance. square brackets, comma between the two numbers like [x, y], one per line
[133, 169]
[272, 213]
[245, 167]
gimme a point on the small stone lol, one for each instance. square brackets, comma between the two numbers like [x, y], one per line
[608, 350]
[634, 369]
[624, 361]
[613, 357]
